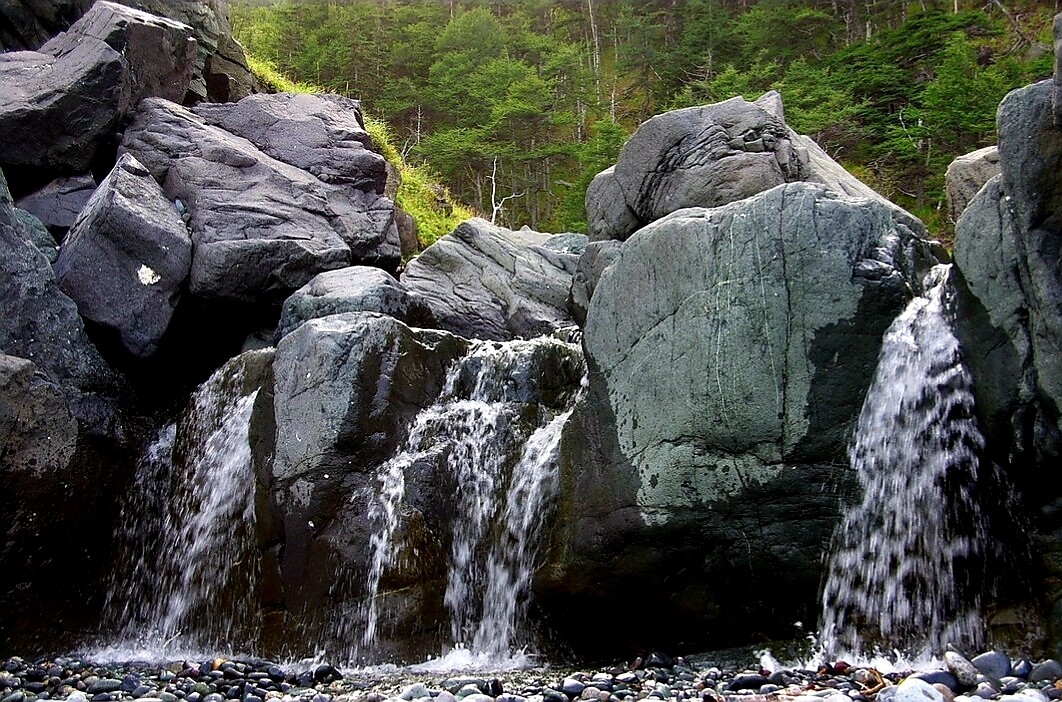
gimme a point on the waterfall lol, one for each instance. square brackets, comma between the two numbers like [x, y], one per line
[902, 573]
[499, 445]
[187, 531]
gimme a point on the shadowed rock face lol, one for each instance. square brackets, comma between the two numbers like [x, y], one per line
[710, 451]
[486, 282]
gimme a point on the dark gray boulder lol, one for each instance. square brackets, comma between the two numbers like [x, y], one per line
[30, 23]
[60, 110]
[966, 175]
[66, 100]
[729, 351]
[324, 136]
[709, 156]
[159, 53]
[486, 282]
[126, 258]
[221, 73]
[261, 228]
[39, 322]
[353, 289]
[347, 387]
[58, 203]
[321, 134]
[1006, 245]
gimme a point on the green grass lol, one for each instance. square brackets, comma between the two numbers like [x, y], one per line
[434, 210]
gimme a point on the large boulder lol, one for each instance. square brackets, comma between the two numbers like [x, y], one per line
[353, 289]
[701, 472]
[126, 258]
[261, 228]
[347, 387]
[709, 156]
[1006, 245]
[39, 322]
[486, 282]
[159, 53]
[221, 73]
[324, 136]
[65, 454]
[61, 110]
[966, 175]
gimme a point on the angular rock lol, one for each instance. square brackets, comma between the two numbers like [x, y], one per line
[324, 136]
[482, 281]
[30, 24]
[350, 380]
[221, 73]
[126, 257]
[261, 228]
[353, 289]
[1004, 243]
[729, 379]
[58, 203]
[968, 174]
[39, 322]
[159, 53]
[61, 110]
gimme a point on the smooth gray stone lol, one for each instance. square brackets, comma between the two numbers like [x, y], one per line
[992, 664]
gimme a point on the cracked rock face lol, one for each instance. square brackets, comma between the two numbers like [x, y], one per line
[261, 227]
[730, 380]
[485, 282]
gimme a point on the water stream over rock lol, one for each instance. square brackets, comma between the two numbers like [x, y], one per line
[188, 531]
[500, 446]
[901, 573]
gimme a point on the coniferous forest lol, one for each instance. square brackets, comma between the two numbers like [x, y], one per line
[517, 104]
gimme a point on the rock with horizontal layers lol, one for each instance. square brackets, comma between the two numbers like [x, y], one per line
[709, 156]
[261, 228]
[482, 281]
[324, 136]
[126, 258]
[729, 350]
[966, 175]
[353, 289]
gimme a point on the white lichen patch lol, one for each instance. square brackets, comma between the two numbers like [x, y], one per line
[147, 276]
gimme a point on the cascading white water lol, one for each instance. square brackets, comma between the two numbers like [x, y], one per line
[902, 557]
[495, 459]
[188, 529]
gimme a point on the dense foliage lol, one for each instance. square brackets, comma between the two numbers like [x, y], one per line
[517, 104]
